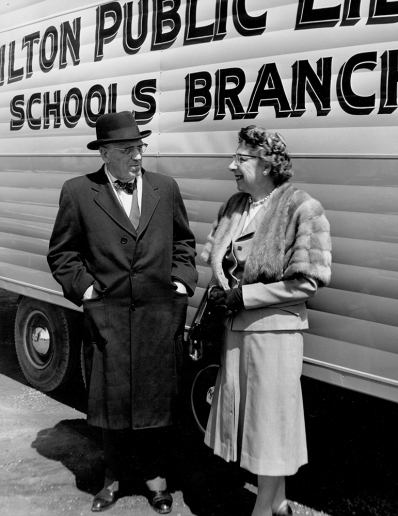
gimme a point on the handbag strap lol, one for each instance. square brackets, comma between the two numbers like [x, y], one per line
[201, 308]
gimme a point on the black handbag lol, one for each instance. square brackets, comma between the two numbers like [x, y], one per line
[206, 333]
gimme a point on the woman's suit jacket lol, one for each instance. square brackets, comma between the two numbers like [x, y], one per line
[283, 255]
[287, 311]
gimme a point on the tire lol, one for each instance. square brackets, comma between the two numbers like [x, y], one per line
[48, 350]
[202, 393]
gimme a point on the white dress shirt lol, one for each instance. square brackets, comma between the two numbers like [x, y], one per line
[123, 197]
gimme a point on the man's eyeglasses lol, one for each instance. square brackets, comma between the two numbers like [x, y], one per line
[241, 158]
[129, 151]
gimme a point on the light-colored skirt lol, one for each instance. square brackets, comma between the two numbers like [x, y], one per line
[257, 412]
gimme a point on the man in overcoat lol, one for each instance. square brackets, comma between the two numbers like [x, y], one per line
[122, 247]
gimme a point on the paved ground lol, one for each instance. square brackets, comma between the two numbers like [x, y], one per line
[51, 461]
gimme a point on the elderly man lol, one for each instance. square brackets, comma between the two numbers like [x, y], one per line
[122, 247]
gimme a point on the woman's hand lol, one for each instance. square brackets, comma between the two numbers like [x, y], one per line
[216, 294]
[230, 301]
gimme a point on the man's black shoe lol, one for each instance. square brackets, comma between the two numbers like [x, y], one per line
[104, 500]
[161, 501]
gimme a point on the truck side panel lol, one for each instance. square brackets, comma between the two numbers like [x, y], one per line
[327, 86]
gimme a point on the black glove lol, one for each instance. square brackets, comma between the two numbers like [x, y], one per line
[232, 300]
[216, 294]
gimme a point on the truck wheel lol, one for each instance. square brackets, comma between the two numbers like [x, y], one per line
[43, 341]
[202, 393]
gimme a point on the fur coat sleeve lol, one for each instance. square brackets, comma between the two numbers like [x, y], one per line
[292, 239]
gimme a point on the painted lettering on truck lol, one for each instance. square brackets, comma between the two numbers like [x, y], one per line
[267, 90]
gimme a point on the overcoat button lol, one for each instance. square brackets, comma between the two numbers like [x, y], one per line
[133, 273]
[123, 240]
[239, 248]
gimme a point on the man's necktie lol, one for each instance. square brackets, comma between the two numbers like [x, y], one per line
[135, 210]
[131, 189]
[127, 187]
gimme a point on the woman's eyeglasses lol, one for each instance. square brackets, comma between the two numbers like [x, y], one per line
[241, 158]
[129, 151]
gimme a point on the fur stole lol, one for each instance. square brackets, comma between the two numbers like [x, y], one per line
[293, 238]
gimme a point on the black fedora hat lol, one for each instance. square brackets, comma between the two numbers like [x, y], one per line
[116, 127]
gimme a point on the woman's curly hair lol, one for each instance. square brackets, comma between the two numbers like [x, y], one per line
[274, 151]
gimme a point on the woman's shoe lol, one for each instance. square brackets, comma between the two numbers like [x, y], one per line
[161, 501]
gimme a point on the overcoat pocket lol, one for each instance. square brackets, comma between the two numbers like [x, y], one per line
[180, 305]
[96, 320]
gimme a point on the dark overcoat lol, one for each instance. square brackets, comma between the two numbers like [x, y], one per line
[133, 329]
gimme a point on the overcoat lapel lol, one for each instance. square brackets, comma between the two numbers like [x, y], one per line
[106, 199]
[150, 199]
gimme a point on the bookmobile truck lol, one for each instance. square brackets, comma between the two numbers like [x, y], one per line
[323, 73]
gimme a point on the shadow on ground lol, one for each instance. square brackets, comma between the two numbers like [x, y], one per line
[352, 470]
[353, 450]
[209, 486]
[78, 447]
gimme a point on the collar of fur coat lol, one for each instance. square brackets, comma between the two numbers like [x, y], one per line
[293, 238]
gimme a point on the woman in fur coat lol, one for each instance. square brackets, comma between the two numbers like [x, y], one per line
[270, 251]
